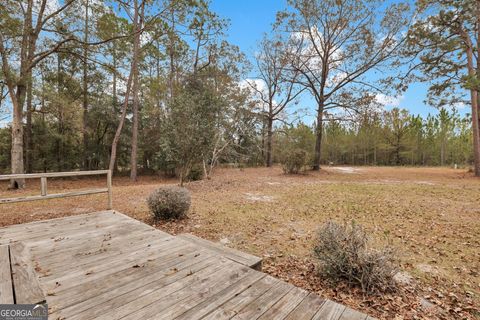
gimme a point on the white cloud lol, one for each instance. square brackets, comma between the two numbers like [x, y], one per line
[305, 48]
[50, 6]
[145, 38]
[460, 105]
[388, 101]
[258, 92]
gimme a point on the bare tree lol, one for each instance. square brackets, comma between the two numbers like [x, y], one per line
[278, 85]
[335, 44]
[137, 27]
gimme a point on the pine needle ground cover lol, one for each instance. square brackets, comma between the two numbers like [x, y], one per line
[430, 215]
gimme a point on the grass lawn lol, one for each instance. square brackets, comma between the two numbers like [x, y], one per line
[430, 215]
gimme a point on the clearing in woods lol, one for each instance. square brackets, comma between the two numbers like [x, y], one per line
[431, 215]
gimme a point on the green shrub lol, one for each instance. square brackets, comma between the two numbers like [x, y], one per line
[294, 161]
[169, 202]
[343, 255]
[195, 173]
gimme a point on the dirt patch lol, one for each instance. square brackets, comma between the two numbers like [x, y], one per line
[349, 170]
[258, 197]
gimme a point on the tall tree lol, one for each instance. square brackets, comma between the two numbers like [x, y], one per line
[335, 45]
[276, 85]
[446, 40]
[138, 27]
[137, 32]
[86, 31]
[396, 128]
[30, 17]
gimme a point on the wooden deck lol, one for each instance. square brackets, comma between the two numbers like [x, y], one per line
[106, 265]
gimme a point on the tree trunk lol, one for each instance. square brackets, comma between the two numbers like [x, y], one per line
[134, 151]
[116, 138]
[18, 99]
[17, 165]
[442, 152]
[318, 140]
[28, 132]
[136, 45]
[269, 159]
[171, 53]
[85, 89]
[114, 80]
[136, 54]
[474, 99]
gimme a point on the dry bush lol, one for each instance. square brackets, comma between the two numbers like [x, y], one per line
[169, 202]
[294, 161]
[343, 255]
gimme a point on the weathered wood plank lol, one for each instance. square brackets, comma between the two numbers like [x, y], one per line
[108, 263]
[230, 253]
[215, 301]
[307, 308]
[39, 227]
[53, 174]
[234, 305]
[330, 310]
[285, 305]
[110, 190]
[93, 245]
[94, 294]
[25, 281]
[51, 235]
[350, 314]
[43, 186]
[137, 300]
[54, 195]
[6, 288]
[184, 300]
[81, 278]
[54, 221]
[258, 307]
[41, 239]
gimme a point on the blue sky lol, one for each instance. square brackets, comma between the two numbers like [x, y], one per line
[249, 19]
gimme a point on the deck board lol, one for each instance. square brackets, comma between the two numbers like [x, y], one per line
[6, 289]
[106, 265]
[26, 286]
[230, 253]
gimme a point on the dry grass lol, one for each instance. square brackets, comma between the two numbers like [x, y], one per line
[431, 215]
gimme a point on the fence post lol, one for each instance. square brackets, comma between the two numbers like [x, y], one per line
[109, 186]
[43, 186]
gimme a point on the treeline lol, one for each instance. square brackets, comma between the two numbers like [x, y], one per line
[393, 137]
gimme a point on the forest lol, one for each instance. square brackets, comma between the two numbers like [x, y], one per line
[154, 86]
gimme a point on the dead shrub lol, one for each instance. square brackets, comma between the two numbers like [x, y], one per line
[169, 202]
[294, 161]
[343, 255]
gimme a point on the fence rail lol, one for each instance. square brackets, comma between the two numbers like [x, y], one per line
[44, 189]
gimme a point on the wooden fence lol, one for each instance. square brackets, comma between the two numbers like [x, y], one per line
[44, 190]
